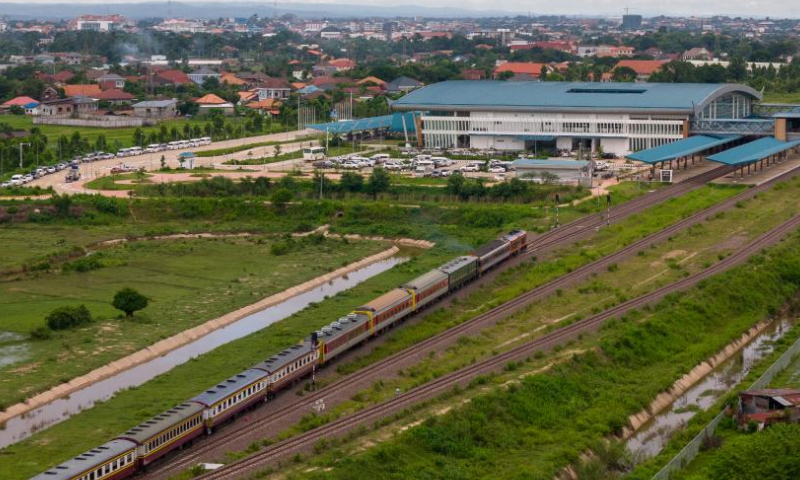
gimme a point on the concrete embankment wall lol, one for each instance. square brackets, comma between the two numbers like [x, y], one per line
[187, 336]
[665, 399]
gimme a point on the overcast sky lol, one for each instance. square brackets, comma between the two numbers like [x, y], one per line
[755, 8]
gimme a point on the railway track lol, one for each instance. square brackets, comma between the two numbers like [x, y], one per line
[337, 428]
[235, 438]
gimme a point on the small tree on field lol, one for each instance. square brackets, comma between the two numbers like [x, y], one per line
[129, 300]
[379, 181]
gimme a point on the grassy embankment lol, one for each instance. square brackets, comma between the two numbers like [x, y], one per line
[71, 437]
[772, 97]
[543, 420]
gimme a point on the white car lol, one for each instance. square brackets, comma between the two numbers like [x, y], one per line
[471, 168]
[5, 184]
[392, 166]
[27, 178]
[51, 169]
[497, 169]
[351, 165]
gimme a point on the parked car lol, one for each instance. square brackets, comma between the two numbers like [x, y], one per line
[351, 165]
[16, 179]
[497, 169]
[472, 167]
[394, 166]
[323, 164]
[27, 178]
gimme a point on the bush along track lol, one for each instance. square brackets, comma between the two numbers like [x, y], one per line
[534, 429]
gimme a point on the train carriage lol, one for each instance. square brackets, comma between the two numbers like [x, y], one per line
[460, 271]
[517, 239]
[166, 432]
[233, 395]
[428, 288]
[387, 309]
[111, 461]
[289, 365]
[342, 334]
[491, 254]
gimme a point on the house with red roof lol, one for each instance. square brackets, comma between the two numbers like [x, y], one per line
[211, 101]
[532, 69]
[91, 90]
[170, 77]
[28, 104]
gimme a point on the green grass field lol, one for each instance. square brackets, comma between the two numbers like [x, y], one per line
[189, 281]
[772, 97]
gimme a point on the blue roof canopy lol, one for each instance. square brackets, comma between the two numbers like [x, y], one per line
[392, 122]
[681, 148]
[753, 151]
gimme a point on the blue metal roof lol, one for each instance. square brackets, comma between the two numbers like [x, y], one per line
[680, 148]
[586, 96]
[529, 162]
[753, 151]
[393, 122]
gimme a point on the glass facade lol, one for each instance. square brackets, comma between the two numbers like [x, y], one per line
[728, 107]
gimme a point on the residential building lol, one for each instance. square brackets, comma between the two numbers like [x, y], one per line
[67, 107]
[619, 117]
[277, 88]
[91, 90]
[211, 101]
[155, 109]
[115, 96]
[643, 68]
[403, 85]
[29, 105]
[532, 69]
[697, 53]
[170, 77]
[111, 80]
[202, 74]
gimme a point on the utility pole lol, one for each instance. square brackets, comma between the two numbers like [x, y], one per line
[20, 152]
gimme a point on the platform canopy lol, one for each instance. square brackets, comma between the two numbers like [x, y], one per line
[681, 148]
[394, 123]
[753, 151]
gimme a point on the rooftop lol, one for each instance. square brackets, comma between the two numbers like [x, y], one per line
[753, 151]
[561, 96]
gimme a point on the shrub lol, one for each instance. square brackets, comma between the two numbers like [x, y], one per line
[41, 333]
[63, 318]
[279, 248]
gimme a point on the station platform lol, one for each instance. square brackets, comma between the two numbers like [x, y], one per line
[757, 176]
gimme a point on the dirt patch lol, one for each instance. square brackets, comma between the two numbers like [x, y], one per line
[673, 254]
[732, 243]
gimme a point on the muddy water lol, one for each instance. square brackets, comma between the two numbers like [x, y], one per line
[21, 427]
[12, 348]
[654, 435]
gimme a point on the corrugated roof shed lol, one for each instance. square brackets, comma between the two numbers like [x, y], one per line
[753, 151]
[680, 148]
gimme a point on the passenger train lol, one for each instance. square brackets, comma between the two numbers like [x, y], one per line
[142, 445]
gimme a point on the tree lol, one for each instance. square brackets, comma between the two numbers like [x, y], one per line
[129, 301]
[352, 182]
[138, 137]
[624, 74]
[737, 69]
[379, 181]
[280, 198]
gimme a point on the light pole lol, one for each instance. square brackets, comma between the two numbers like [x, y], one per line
[20, 152]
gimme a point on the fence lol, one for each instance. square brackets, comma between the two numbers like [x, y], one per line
[691, 450]
[102, 122]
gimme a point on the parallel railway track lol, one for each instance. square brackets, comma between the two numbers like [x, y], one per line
[305, 442]
[235, 437]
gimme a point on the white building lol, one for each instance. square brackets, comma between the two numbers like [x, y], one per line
[101, 23]
[618, 117]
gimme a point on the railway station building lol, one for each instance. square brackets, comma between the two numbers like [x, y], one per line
[619, 118]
